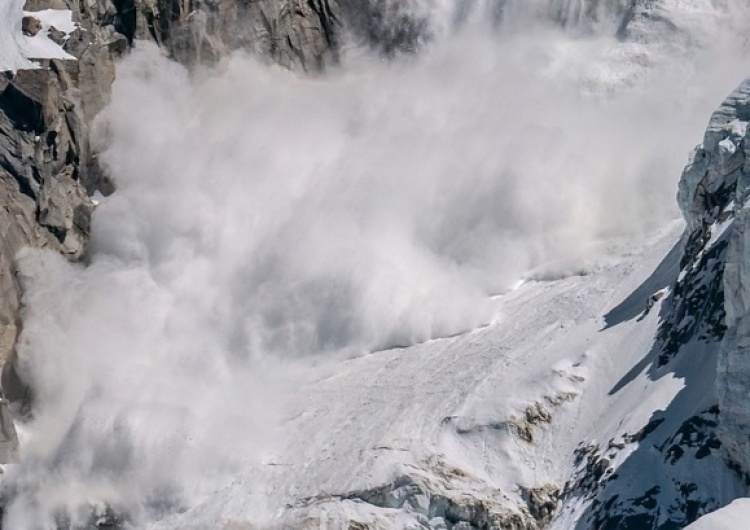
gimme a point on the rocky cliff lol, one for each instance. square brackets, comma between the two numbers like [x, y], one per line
[48, 171]
[713, 196]
[702, 338]
[296, 34]
[47, 168]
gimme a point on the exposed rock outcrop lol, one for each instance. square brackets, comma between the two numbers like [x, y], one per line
[432, 504]
[47, 169]
[725, 150]
[297, 34]
[702, 317]
[713, 197]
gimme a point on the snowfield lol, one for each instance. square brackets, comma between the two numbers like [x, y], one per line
[17, 51]
[452, 413]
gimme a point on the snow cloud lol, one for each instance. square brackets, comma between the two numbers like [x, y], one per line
[266, 224]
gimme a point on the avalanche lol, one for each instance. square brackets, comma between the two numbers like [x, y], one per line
[435, 291]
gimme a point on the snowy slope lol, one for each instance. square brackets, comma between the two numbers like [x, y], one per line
[453, 415]
[17, 50]
[728, 518]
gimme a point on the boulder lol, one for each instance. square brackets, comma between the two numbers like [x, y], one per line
[30, 26]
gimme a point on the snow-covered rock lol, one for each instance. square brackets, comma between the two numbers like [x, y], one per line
[713, 196]
[299, 35]
[710, 181]
[20, 50]
[728, 145]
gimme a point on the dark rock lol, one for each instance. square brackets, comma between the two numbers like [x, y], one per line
[57, 36]
[30, 26]
[541, 502]
[47, 168]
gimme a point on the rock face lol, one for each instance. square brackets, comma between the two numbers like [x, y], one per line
[703, 326]
[296, 34]
[724, 154]
[47, 167]
[47, 170]
[301, 35]
[713, 194]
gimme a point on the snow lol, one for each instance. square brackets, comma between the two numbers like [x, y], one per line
[18, 51]
[62, 19]
[576, 343]
[731, 517]
[11, 55]
[446, 404]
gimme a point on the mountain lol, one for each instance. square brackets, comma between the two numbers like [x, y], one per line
[367, 264]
